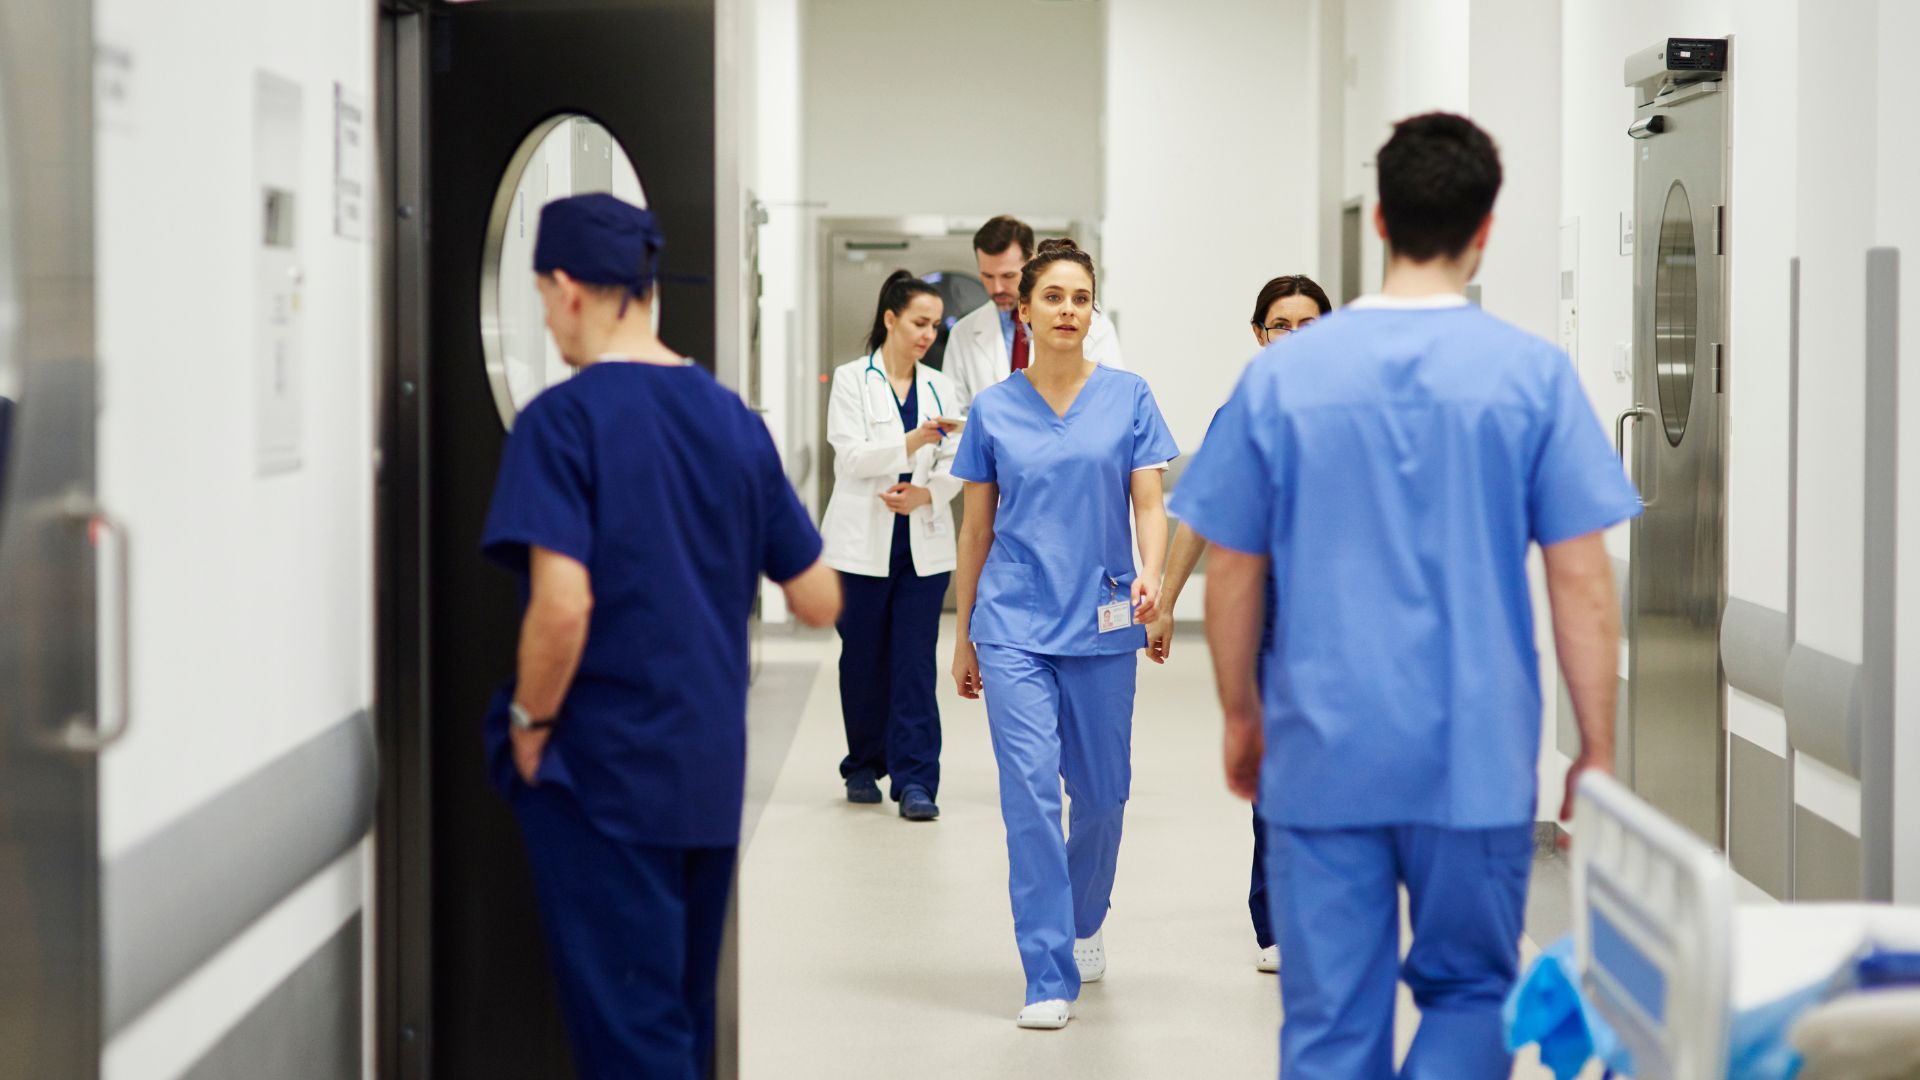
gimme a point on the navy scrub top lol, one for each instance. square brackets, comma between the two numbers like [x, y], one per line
[663, 484]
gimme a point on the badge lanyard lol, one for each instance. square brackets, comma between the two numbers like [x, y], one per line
[1117, 612]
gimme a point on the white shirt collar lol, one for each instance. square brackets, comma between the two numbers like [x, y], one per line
[1436, 302]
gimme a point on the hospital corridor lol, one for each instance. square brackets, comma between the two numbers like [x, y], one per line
[1054, 539]
[904, 941]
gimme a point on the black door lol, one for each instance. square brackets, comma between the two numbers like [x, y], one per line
[465, 968]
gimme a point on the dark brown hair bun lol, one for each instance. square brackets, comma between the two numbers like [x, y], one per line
[1059, 249]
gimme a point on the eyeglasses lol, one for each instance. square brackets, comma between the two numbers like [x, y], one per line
[1276, 330]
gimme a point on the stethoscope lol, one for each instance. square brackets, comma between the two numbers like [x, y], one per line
[887, 384]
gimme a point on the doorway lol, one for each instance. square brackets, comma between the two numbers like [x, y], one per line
[491, 109]
[1350, 255]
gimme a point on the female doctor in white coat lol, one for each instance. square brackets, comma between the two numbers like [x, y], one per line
[889, 531]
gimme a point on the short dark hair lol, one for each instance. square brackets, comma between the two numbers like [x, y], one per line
[1285, 286]
[1001, 233]
[1439, 174]
[1053, 251]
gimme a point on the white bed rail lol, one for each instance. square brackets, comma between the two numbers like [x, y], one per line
[1653, 933]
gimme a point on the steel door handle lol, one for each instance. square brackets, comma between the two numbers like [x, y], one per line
[1638, 412]
[112, 726]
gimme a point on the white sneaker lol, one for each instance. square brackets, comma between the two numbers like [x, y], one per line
[1269, 959]
[1090, 956]
[1046, 1015]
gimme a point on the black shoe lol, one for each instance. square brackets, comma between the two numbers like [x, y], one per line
[917, 805]
[862, 789]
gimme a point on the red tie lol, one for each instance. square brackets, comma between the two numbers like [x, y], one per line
[1019, 344]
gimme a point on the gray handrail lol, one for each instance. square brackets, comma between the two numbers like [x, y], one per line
[176, 899]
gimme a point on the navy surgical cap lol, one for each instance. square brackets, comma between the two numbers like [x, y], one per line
[600, 240]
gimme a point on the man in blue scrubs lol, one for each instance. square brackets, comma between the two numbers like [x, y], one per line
[1393, 469]
[639, 503]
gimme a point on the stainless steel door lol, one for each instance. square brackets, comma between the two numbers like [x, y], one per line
[49, 858]
[1672, 749]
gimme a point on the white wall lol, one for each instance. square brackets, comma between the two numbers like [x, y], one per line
[778, 136]
[1898, 225]
[737, 148]
[1403, 57]
[973, 109]
[1212, 167]
[252, 596]
[1815, 175]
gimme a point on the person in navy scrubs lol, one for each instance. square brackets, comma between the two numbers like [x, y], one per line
[1393, 468]
[638, 503]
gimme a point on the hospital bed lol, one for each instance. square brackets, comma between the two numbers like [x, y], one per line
[1691, 982]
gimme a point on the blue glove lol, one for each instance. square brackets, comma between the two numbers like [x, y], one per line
[1547, 1008]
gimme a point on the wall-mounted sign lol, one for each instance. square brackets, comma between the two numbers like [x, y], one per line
[349, 164]
[278, 276]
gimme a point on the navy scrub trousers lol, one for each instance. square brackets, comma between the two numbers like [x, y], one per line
[1258, 902]
[633, 932]
[889, 628]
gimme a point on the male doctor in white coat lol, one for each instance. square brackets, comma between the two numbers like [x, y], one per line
[988, 343]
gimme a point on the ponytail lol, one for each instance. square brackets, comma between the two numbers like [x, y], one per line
[900, 289]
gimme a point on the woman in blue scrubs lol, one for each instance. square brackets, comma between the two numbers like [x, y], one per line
[1287, 303]
[1051, 611]
[889, 532]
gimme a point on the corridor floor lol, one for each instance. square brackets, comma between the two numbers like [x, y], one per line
[871, 946]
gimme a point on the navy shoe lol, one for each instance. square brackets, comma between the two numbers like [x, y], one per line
[917, 805]
[861, 788]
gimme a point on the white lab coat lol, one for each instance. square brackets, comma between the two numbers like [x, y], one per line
[869, 454]
[977, 355]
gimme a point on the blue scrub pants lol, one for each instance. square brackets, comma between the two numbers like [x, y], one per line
[889, 628]
[1336, 896]
[1055, 718]
[634, 936]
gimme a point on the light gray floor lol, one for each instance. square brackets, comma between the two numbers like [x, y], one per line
[876, 947]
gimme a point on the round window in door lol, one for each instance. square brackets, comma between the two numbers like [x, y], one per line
[960, 292]
[569, 154]
[1676, 314]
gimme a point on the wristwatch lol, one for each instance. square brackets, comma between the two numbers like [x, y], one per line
[522, 720]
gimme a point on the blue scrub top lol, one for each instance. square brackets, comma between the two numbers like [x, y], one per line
[1062, 528]
[663, 484]
[1395, 465]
